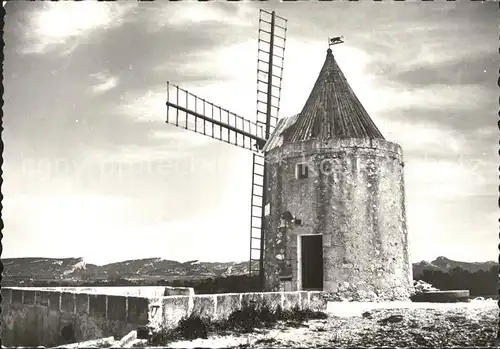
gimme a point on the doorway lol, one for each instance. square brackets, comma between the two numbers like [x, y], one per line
[311, 253]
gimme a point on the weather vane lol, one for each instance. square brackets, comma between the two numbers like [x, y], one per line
[335, 40]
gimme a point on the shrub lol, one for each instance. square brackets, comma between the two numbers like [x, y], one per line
[244, 320]
[193, 327]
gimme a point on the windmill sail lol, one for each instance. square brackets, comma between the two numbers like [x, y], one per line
[270, 60]
[193, 113]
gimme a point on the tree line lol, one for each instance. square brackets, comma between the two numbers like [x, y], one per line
[482, 283]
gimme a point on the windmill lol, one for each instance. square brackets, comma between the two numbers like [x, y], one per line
[193, 113]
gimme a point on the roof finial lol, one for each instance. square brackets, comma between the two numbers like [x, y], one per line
[334, 41]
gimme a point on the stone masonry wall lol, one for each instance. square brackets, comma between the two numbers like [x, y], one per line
[354, 196]
[33, 317]
[219, 306]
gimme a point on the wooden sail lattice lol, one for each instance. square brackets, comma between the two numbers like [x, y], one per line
[196, 114]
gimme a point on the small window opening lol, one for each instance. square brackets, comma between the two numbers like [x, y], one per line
[302, 171]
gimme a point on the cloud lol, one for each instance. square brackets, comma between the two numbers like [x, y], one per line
[64, 210]
[146, 158]
[182, 139]
[63, 25]
[149, 107]
[471, 69]
[220, 63]
[423, 137]
[445, 179]
[382, 95]
[433, 97]
[385, 84]
[188, 13]
[145, 106]
[456, 161]
[466, 236]
[105, 83]
[466, 121]
[438, 51]
[184, 240]
[62, 217]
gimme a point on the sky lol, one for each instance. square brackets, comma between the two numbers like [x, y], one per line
[92, 170]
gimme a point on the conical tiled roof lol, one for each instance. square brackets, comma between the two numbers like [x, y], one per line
[332, 110]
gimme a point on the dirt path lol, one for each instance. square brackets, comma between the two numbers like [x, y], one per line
[473, 324]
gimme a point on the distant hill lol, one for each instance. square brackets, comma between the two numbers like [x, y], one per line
[445, 265]
[157, 268]
[152, 268]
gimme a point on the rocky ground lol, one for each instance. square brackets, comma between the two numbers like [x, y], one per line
[461, 325]
[439, 325]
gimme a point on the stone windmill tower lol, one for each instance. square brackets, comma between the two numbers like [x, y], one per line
[327, 208]
[336, 206]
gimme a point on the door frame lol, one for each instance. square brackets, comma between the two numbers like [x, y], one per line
[299, 259]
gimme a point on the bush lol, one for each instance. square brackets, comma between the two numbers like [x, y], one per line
[193, 327]
[251, 316]
[244, 320]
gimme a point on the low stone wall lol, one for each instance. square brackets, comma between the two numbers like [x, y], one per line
[167, 311]
[32, 317]
[57, 316]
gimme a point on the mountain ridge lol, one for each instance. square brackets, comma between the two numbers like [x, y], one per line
[37, 268]
[444, 264]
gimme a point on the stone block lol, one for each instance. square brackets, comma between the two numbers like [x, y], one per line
[54, 299]
[364, 296]
[174, 309]
[204, 306]
[97, 305]
[227, 304]
[82, 303]
[155, 313]
[6, 296]
[17, 296]
[138, 309]
[29, 298]
[251, 298]
[67, 302]
[317, 301]
[291, 300]
[272, 299]
[178, 291]
[329, 285]
[303, 299]
[37, 298]
[117, 308]
[287, 285]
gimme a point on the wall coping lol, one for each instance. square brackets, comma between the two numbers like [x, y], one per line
[132, 291]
